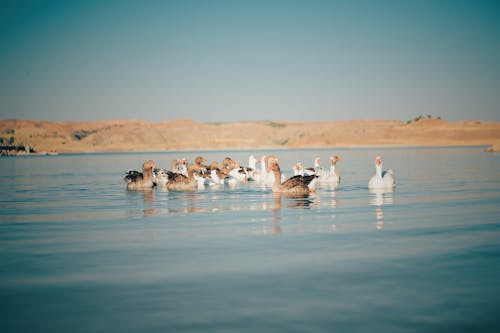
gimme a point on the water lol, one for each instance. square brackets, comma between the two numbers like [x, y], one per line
[80, 253]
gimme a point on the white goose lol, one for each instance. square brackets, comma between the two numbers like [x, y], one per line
[333, 175]
[237, 171]
[381, 179]
[316, 170]
[298, 169]
[252, 167]
[261, 174]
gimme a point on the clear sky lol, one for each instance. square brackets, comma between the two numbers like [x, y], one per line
[216, 61]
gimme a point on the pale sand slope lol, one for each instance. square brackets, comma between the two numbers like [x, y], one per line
[185, 134]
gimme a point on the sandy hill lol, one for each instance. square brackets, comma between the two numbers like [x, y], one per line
[186, 134]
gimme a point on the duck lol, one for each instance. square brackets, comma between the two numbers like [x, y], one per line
[381, 179]
[333, 175]
[294, 186]
[136, 180]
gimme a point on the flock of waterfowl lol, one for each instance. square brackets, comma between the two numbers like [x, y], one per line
[186, 176]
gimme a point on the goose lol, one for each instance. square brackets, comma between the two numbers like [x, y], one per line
[316, 170]
[202, 179]
[238, 172]
[381, 179]
[176, 166]
[296, 185]
[198, 166]
[182, 167]
[251, 170]
[180, 182]
[201, 173]
[298, 169]
[261, 174]
[252, 162]
[160, 177]
[270, 176]
[136, 180]
[218, 177]
[333, 175]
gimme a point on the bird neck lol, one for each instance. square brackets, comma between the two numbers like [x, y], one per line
[190, 174]
[277, 177]
[263, 166]
[378, 170]
[147, 173]
[332, 169]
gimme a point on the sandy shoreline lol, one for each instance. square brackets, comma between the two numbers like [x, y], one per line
[186, 134]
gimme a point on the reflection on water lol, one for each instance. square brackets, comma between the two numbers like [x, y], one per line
[379, 198]
[333, 199]
[207, 201]
[380, 218]
[146, 198]
[149, 200]
[245, 198]
[302, 202]
[272, 229]
[243, 258]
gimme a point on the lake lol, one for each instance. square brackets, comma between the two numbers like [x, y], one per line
[80, 253]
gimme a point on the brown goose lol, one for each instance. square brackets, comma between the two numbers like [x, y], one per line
[179, 182]
[296, 185]
[136, 180]
[175, 166]
[225, 167]
[198, 166]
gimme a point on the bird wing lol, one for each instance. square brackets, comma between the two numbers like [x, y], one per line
[177, 178]
[133, 176]
[298, 181]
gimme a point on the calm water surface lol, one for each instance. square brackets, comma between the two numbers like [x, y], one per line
[80, 253]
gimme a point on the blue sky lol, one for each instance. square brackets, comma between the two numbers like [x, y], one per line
[216, 61]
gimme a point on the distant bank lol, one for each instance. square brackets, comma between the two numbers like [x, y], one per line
[185, 134]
